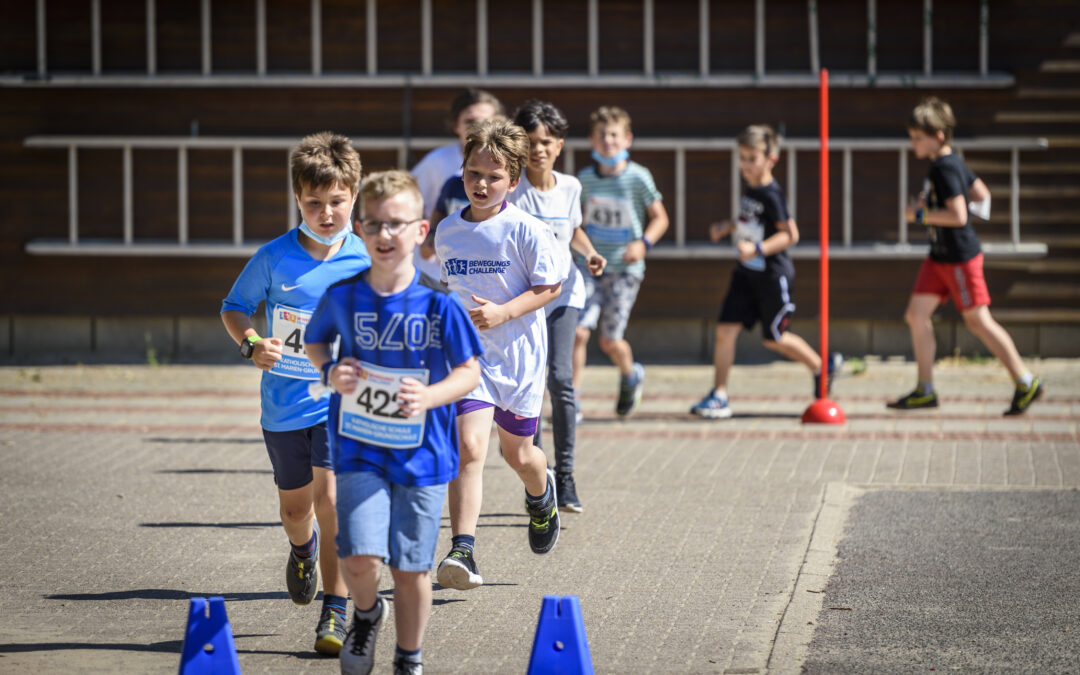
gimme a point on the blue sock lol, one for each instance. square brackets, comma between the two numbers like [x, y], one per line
[463, 541]
[307, 550]
[336, 603]
[406, 655]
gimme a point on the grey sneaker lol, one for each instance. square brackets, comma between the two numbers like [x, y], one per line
[403, 667]
[458, 570]
[630, 389]
[330, 633]
[302, 576]
[358, 652]
[567, 490]
[544, 521]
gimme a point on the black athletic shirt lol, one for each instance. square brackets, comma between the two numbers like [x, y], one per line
[948, 177]
[760, 210]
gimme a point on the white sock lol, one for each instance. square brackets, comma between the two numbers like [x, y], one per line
[722, 395]
[1025, 380]
[927, 388]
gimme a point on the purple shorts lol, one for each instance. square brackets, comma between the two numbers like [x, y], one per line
[507, 421]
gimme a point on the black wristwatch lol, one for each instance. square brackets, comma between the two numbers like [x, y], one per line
[247, 346]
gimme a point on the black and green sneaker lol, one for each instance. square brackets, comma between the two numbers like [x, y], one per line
[915, 400]
[302, 577]
[330, 633]
[544, 520]
[1024, 397]
[458, 570]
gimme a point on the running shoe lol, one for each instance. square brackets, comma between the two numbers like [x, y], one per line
[330, 633]
[915, 400]
[403, 667]
[544, 520]
[302, 576]
[1024, 397]
[712, 407]
[567, 492]
[358, 652]
[458, 570]
[630, 389]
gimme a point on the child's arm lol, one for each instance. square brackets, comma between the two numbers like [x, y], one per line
[656, 227]
[488, 314]
[427, 249]
[786, 236]
[415, 398]
[342, 377]
[718, 231]
[978, 192]
[955, 213]
[583, 245]
[267, 351]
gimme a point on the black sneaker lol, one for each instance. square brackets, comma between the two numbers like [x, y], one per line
[403, 667]
[630, 390]
[358, 652]
[836, 362]
[915, 400]
[544, 521]
[330, 633]
[302, 576]
[458, 570]
[1025, 397]
[567, 492]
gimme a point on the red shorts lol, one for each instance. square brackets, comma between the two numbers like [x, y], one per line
[963, 281]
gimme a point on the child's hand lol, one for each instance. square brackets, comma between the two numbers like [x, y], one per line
[413, 397]
[596, 264]
[345, 376]
[718, 231]
[635, 251]
[266, 353]
[488, 314]
[747, 250]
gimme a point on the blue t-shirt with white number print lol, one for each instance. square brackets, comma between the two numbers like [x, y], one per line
[421, 332]
[290, 281]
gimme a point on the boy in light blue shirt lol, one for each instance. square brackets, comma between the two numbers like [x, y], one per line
[290, 274]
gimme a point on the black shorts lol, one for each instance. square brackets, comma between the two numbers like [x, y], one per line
[293, 453]
[759, 296]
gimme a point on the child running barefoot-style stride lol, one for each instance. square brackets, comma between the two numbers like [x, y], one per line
[954, 267]
[290, 274]
[760, 288]
[555, 198]
[504, 266]
[407, 352]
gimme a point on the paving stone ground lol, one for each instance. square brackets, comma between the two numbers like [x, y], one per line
[705, 546]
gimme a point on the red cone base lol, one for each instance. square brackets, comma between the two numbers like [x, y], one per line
[824, 411]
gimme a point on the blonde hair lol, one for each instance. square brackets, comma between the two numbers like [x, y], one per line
[933, 115]
[385, 184]
[760, 136]
[609, 114]
[323, 159]
[505, 142]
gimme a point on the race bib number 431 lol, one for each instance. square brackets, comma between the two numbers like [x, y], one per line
[289, 324]
[372, 415]
[609, 220]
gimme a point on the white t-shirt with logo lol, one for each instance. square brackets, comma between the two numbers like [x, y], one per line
[560, 208]
[499, 259]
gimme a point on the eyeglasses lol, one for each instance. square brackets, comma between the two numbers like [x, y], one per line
[393, 227]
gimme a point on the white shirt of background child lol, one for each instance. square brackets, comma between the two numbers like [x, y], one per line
[560, 208]
[432, 171]
[499, 259]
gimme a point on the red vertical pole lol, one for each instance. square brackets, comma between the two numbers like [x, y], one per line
[824, 219]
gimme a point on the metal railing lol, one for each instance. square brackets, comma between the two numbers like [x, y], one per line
[592, 76]
[126, 244]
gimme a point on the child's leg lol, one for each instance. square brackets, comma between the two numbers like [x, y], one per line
[361, 575]
[724, 354]
[325, 500]
[920, 308]
[297, 513]
[561, 328]
[526, 459]
[581, 343]
[620, 353]
[996, 339]
[618, 295]
[467, 490]
[793, 347]
[412, 607]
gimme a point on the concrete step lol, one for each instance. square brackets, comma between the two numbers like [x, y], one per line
[1037, 117]
[1044, 290]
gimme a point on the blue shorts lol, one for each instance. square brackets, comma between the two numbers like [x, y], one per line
[398, 523]
[293, 453]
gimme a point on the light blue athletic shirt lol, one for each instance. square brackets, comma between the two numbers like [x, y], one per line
[614, 212]
[290, 281]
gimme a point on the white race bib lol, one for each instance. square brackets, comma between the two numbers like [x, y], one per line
[288, 325]
[371, 414]
[753, 232]
[609, 220]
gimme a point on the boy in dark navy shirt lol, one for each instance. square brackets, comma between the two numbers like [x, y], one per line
[954, 267]
[760, 287]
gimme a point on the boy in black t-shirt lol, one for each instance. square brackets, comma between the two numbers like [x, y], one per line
[955, 264]
[760, 287]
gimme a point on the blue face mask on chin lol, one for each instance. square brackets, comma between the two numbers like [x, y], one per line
[622, 156]
[327, 241]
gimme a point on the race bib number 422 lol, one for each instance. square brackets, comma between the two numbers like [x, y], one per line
[372, 415]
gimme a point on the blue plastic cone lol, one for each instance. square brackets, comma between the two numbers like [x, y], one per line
[560, 645]
[208, 641]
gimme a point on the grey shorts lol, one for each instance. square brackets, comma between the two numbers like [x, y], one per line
[608, 302]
